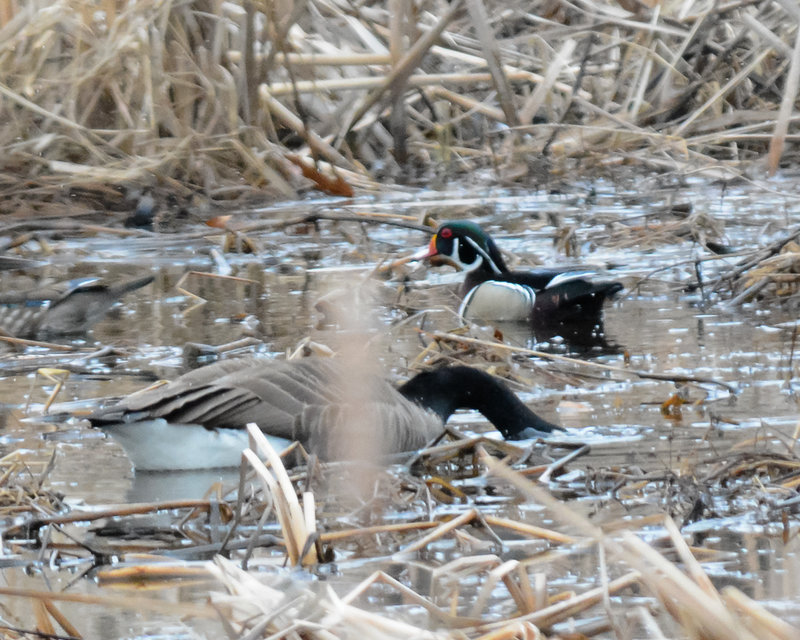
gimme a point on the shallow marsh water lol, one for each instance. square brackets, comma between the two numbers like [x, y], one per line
[657, 324]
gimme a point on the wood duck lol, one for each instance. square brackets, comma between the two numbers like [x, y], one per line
[62, 309]
[553, 301]
[199, 420]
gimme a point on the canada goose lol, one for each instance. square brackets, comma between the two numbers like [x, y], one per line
[553, 301]
[199, 419]
[62, 309]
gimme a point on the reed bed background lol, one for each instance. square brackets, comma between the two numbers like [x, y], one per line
[215, 100]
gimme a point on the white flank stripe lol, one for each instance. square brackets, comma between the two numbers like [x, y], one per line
[569, 276]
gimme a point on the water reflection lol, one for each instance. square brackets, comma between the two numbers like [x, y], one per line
[180, 485]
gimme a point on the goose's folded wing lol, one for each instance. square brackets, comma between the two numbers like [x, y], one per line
[309, 401]
[230, 394]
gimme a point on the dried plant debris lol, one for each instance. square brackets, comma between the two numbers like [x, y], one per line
[654, 230]
[446, 551]
[753, 486]
[274, 605]
[469, 538]
[766, 274]
[23, 488]
[153, 107]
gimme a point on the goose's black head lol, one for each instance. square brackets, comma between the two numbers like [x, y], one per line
[444, 390]
[465, 246]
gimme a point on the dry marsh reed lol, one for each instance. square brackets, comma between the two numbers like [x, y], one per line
[419, 554]
[218, 99]
[683, 602]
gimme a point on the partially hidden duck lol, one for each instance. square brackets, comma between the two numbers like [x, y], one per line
[63, 309]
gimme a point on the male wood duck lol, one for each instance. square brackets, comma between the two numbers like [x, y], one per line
[62, 309]
[553, 301]
[199, 420]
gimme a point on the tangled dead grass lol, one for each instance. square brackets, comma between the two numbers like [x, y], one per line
[475, 590]
[769, 274]
[215, 100]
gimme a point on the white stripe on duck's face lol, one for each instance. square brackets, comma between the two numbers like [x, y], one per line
[455, 257]
[468, 256]
[156, 445]
[498, 301]
[481, 256]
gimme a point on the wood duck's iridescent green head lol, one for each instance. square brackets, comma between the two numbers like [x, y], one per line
[464, 245]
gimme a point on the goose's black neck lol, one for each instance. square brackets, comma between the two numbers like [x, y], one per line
[449, 388]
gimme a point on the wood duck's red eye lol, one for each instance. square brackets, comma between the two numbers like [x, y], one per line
[446, 233]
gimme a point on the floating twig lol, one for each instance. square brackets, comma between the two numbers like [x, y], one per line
[671, 377]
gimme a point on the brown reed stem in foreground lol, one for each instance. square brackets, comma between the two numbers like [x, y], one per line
[689, 597]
